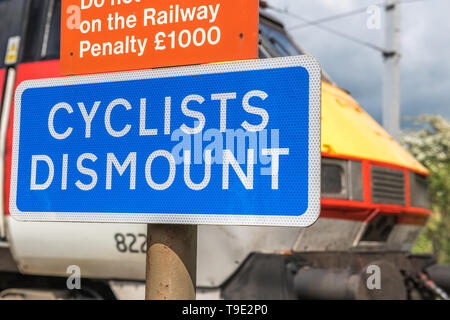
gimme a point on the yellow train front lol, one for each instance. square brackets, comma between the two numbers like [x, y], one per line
[374, 205]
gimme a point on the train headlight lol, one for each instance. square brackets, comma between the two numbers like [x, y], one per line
[342, 179]
[418, 190]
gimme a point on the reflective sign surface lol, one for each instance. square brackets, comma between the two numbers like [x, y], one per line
[235, 143]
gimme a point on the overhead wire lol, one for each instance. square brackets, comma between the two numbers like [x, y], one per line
[328, 29]
[318, 23]
[346, 14]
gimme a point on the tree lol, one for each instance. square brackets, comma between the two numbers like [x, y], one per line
[431, 146]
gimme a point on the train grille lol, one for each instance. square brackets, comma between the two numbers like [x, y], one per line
[388, 186]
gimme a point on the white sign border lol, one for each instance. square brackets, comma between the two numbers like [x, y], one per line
[304, 220]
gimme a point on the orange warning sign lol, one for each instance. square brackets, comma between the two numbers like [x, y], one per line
[113, 35]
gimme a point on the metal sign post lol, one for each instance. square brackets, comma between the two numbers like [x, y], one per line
[171, 262]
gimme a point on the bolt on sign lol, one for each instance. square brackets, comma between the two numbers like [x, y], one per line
[113, 35]
[233, 143]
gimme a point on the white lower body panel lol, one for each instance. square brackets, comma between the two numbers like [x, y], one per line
[117, 251]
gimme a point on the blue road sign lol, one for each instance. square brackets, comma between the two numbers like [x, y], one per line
[235, 143]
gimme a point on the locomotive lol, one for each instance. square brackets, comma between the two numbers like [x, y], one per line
[374, 205]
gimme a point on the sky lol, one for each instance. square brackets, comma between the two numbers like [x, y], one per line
[425, 50]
